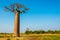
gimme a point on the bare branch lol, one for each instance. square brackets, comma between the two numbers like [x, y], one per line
[12, 7]
[17, 8]
[26, 9]
[7, 8]
[19, 5]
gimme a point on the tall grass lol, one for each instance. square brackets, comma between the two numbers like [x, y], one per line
[31, 37]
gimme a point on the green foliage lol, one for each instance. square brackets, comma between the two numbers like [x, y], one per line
[50, 31]
[42, 32]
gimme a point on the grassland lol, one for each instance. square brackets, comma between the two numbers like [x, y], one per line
[30, 37]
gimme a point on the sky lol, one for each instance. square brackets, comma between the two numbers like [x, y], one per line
[42, 15]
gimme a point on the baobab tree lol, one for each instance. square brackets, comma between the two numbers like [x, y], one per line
[17, 9]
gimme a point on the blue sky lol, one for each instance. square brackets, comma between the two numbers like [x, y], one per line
[42, 15]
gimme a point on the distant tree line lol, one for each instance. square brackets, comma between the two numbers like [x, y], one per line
[42, 32]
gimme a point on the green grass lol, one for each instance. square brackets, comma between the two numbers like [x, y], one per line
[50, 37]
[44, 37]
[30, 37]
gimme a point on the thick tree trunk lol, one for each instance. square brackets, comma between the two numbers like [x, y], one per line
[16, 25]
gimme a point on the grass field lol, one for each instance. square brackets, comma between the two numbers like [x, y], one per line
[30, 37]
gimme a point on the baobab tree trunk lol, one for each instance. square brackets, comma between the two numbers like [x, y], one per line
[16, 25]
